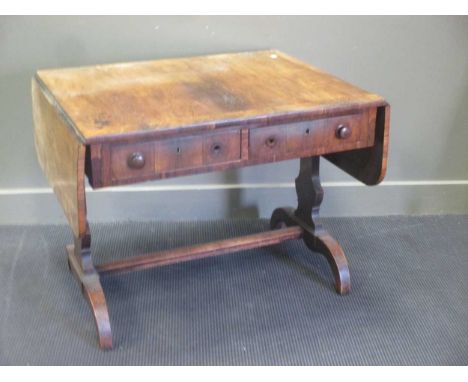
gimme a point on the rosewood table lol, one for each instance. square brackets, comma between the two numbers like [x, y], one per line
[132, 122]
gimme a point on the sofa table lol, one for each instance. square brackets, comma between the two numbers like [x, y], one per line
[131, 122]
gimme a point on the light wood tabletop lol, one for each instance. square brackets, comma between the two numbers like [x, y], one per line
[139, 97]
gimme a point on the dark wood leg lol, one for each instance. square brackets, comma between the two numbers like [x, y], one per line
[310, 195]
[81, 265]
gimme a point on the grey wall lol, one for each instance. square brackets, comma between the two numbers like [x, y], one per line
[420, 64]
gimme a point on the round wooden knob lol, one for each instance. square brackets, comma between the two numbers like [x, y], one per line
[216, 148]
[343, 131]
[136, 160]
[271, 141]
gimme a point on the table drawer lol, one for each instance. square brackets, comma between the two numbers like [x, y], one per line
[197, 151]
[132, 162]
[310, 138]
[128, 161]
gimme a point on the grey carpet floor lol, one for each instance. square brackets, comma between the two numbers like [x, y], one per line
[273, 306]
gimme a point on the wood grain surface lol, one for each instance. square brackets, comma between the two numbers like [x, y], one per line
[368, 165]
[200, 251]
[61, 157]
[147, 98]
[222, 150]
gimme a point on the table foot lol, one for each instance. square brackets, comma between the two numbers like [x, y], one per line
[94, 294]
[310, 195]
[329, 247]
[317, 241]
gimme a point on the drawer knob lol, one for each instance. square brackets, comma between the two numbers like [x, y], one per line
[136, 160]
[270, 142]
[343, 131]
[216, 148]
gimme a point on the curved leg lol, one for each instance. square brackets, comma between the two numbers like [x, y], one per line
[79, 262]
[329, 247]
[310, 196]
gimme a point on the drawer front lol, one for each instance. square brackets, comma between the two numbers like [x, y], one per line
[197, 151]
[178, 153]
[132, 162]
[311, 138]
[120, 163]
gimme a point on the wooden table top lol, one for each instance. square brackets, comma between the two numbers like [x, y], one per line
[142, 98]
